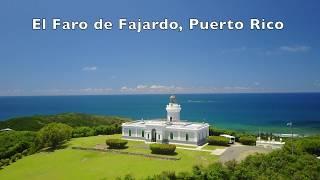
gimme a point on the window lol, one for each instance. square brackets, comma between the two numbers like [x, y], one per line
[148, 136]
[142, 133]
[171, 135]
[129, 132]
[159, 136]
[187, 137]
[170, 119]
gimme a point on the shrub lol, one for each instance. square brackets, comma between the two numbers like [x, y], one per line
[13, 158]
[25, 152]
[116, 143]
[19, 147]
[18, 155]
[218, 140]
[162, 148]
[5, 162]
[248, 140]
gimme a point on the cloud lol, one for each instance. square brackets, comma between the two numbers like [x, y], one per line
[256, 83]
[90, 68]
[295, 48]
[316, 83]
[82, 91]
[155, 88]
[12, 92]
[96, 90]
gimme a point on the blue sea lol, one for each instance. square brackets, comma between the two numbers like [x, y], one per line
[243, 112]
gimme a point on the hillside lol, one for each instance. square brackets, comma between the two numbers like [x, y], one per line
[34, 123]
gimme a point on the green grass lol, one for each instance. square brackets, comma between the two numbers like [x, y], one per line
[78, 164]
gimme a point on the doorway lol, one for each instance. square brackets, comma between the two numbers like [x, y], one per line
[153, 135]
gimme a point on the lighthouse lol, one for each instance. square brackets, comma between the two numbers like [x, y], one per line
[173, 110]
[171, 130]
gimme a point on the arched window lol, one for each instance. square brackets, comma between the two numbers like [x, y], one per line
[171, 135]
[187, 137]
[129, 132]
[142, 133]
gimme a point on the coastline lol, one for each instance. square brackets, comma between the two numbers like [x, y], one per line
[245, 112]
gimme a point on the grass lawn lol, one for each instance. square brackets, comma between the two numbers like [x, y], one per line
[78, 164]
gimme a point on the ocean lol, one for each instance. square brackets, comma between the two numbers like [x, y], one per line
[242, 112]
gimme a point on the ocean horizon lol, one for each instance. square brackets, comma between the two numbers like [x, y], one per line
[251, 112]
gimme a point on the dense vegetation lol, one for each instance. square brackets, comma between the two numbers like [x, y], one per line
[35, 123]
[162, 148]
[116, 143]
[310, 145]
[14, 144]
[279, 164]
[236, 134]
[276, 165]
[98, 130]
[218, 140]
[52, 132]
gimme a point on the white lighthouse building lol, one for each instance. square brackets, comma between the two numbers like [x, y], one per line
[169, 130]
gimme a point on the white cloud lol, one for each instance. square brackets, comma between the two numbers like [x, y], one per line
[155, 88]
[12, 92]
[316, 83]
[96, 90]
[82, 91]
[295, 48]
[256, 83]
[90, 68]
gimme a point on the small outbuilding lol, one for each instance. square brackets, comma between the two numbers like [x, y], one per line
[6, 129]
[273, 144]
[232, 139]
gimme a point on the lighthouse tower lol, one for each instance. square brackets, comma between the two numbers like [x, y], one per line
[173, 110]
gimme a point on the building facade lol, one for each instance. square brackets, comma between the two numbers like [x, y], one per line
[169, 130]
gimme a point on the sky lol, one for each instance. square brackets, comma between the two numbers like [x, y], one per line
[89, 62]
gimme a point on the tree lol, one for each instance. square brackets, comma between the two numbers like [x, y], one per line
[54, 134]
[216, 171]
